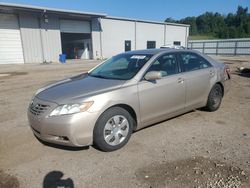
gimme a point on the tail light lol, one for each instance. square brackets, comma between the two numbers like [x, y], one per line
[227, 73]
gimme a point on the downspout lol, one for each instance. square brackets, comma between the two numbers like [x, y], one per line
[100, 22]
[41, 37]
[135, 34]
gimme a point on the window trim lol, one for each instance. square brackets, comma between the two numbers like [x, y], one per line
[191, 53]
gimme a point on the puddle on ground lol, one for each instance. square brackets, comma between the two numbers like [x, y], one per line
[196, 172]
[10, 74]
[8, 181]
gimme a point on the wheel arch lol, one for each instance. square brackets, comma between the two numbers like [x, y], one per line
[128, 108]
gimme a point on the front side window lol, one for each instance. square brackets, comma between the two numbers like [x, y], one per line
[166, 64]
[191, 62]
[121, 67]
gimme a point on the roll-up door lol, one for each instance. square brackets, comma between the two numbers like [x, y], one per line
[74, 26]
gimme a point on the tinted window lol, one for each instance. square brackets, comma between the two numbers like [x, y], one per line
[167, 64]
[177, 43]
[121, 67]
[127, 45]
[191, 62]
[151, 44]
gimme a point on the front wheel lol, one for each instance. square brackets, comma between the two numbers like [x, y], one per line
[113, 129]
[214, 98]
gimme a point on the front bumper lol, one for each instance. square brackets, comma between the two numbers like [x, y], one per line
[69, 130]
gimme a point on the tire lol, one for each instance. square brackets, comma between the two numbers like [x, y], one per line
[113, 129]
[214, 98]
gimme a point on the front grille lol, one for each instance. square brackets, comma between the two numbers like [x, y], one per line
[38, 109]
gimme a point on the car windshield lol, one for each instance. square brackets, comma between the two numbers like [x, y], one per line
[121, 67]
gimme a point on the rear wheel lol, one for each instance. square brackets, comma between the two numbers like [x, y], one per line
[113, 129]
[214, 98]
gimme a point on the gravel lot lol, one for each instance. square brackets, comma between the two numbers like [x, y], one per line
[197, 149]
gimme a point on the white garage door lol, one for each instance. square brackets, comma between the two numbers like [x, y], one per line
[74, 26]
[10, 40]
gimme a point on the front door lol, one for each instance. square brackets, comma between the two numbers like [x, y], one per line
[165, 97]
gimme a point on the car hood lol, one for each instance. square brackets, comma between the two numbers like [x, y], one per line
[77, 88]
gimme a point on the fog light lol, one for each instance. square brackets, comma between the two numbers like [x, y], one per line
[62, 138]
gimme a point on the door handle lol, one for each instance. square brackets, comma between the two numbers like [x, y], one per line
[180, 80]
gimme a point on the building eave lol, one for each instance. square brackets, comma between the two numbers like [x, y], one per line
[145, 21]
[7, 6]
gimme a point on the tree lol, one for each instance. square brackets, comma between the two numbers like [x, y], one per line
[233, 25]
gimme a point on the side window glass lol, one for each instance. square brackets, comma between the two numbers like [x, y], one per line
[191, 62]
[166, 64]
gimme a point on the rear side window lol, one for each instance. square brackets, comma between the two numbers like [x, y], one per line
[192, 62]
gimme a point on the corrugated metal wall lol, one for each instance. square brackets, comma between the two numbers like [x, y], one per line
[108, 38]
[113, 33]
[149, 32]
[176, 33]
[41, 40]
[10, 40]
[51, 39]
[31, 38]
[222, 47]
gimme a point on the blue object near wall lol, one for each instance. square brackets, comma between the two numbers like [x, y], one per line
[62, 58]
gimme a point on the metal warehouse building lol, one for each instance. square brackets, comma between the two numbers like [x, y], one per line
[30, 34]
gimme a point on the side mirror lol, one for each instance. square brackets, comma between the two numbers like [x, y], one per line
[153, 75]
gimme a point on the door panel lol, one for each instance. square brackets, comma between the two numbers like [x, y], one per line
[197, 73]
[197, 87]
[163, 98]
[160, 99]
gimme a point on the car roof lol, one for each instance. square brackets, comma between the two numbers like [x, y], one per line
[157, 51]
[147, 51]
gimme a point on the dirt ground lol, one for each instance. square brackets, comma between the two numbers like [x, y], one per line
[197, 149]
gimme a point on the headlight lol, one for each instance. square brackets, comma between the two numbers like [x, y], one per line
[71, 108]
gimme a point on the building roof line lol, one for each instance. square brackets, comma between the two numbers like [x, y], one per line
[145, 21]
[33, 7]
[24, 6]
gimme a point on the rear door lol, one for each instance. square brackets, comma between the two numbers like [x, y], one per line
[163, 98]
[197, 73]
